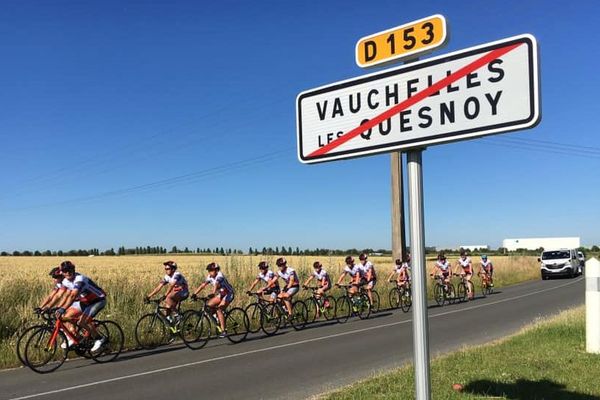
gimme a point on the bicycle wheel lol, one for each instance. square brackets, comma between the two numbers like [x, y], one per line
[471, 289]
[462, 292]
[44, 355]
[151, 331]
[376, 302]
[363, 306]
[236, 322]
[328, 309]
[450, 296]
[438, 294]
[114, 340]
[270, 320]
[406, 300]
[311, 310]
[343, 309]
[394, 298]
[299, 315]
[195, 330]
[254, 317]
[22, 341]
[483, 289]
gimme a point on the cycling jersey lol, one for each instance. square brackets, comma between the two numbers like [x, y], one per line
[444, 267]
[465, 264]
[267, 277]
[403, 268]
[322, 275]
[287, 275]
[487, 266]
[58, 286]
[366, 268]
[89, 292]
[225, 287]
[353, 271]
[178, 280]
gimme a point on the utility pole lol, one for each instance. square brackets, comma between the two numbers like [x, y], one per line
[398, 231]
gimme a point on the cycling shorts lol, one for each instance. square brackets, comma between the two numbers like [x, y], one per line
[91, 310]
[292, 291]
[227, 297]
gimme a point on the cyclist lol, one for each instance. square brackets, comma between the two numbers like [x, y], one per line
[369, 278]
[84, 300]
[177, 289]
[221, 296]
[292, 283]
[487, 269]
[442, 268]
[355, 273]
[323, 281]
[465, 268]
[56, 293]
[401, 269]
[271, 287]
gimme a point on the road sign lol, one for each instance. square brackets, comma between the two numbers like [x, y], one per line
[470, 93]
[402, 42]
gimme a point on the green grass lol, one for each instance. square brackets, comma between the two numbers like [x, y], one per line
[545, 361]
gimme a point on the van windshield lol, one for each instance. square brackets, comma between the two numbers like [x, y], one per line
[555, 255]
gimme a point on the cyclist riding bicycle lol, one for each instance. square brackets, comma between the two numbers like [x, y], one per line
[487, 268]
[465, 269]
[355, 272]
[323, 281]
[222, 294]
[177, 289]
[271, 287]
[84, 300]
[369, 278]
[55, 295]
[442, 268]
[292, 283]
[401, 269]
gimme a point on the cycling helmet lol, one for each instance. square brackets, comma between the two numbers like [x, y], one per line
[263, 265]
[398, 261]
[317, 264]
[213, 267]
[281, 261]
[483, 257]
[362, 257]
[463, 252]
[441, 256]
[67, 266]
[55, 273]
[171, 264]
[349, 260]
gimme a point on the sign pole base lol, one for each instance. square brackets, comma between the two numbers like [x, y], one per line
[419, 277]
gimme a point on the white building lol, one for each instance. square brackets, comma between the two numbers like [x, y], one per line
[473, 247]
[546, 243]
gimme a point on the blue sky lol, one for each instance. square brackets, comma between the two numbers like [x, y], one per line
[162, 123]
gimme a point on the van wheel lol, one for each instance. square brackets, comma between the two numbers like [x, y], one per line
[544, 277]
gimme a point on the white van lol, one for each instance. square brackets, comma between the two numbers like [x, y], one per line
[560, 262]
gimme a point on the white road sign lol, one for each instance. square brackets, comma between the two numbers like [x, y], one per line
[470, 93]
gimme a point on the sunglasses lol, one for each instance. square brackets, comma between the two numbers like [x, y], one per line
[168, 268]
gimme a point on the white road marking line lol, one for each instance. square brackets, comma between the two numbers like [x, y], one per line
[156, 371]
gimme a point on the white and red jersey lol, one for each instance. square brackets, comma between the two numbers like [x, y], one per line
[178, 280]
[322, 274]
[224, 287]
[465, 264]
[487, 265]
[89, 292]
[366, 267]
[353, 270]
[444, 267]
[287, 276]
[403, 268]
[267, 277]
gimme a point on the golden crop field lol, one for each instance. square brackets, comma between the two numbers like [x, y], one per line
[127, 279]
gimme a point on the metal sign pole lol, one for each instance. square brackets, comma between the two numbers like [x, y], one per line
[417, 247]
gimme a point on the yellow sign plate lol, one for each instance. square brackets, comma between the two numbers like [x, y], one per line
[402, 42]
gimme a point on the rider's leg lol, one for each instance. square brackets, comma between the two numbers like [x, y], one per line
[221, 313]
[88, 314]
[70, 316]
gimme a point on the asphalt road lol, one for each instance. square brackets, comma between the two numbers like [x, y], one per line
[294, 365]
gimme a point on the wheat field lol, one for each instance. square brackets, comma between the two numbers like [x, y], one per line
[127, 279]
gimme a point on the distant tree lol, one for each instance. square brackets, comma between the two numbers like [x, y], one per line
[186, 250]
[250, 251]
[37, 253]
[595, 249]
[3, 254]
[16, 253]
[174, 249]
[276, 250]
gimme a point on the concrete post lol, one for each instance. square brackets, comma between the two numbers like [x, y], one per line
[592, 305]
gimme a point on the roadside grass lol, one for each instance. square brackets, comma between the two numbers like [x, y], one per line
[127, 279]
[546, 360]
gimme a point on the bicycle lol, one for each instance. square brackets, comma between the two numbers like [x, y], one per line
[47, 348]
[375, 304]
[262, 315]
[155, 328]
[464, 288]
[443, 292]
[299, 317]
[323, 305]
[348, 305]
[198, 327]
[48, 317]
[400, 296]
[487, 287]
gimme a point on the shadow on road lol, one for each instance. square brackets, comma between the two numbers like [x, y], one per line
[524, 389]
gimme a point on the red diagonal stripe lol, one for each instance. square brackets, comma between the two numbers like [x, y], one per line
[423, 94]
